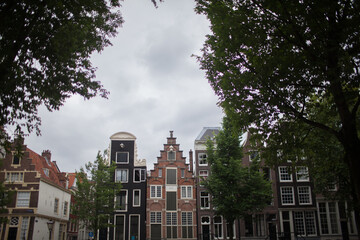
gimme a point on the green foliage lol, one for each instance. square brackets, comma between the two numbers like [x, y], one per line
[45, 50]
[288, 61]
[94, 196]
[236, 190]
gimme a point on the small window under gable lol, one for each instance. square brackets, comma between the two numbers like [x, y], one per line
[122, 157]
[46, 171]
[202, 159]
[171, 154]
[16, 159]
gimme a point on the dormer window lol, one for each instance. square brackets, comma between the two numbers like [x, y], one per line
[171, 154]
[46, 171]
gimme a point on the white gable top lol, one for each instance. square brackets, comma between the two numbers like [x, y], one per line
[123, 136]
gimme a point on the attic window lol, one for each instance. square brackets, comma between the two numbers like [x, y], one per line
[47, 161]
[46, 171]
[171, 155]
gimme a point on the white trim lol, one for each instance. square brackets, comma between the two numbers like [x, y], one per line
[136, 190]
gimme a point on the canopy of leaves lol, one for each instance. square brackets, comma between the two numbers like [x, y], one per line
[267, 60]
[236, 190]
[94, 196]
[45, 49]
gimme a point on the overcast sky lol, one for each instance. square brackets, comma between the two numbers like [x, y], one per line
[155, 86]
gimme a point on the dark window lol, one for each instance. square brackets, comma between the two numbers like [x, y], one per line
[139, 175]
[170, 176]
[155, 231]
[122, 157]
[170, 200]
[121, 200]
[120, 227]
[16, 160]
[134, 227]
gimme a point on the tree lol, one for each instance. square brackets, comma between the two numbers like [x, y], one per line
[45, 50]
[236, 190]
[94, 196]
[267, 60]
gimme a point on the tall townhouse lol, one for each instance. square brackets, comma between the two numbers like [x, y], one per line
[171, 198]
[296, 200]
[41, 202]
[130, 214]
[260, 225]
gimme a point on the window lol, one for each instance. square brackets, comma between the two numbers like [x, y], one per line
[160, 172]
[186, 191]
[121, 200]
[24, 228]
[304, 223]
[46, 171]
[155, 217]
[328, 218]
[122, 157]
[182, 173]
[218, 231]
[284, 174]
[155, 191]
[202, 159]
[121, 175]
[16, 159]
[134, 226]
[171, 201]
[120, 227]
[204, 200]
[260, 225]
[139, 175]
[56, 205]
[170, 176]
[136, 198]
[155, 225]
[171, 225]
[304, 195]
[14, 176]
[187, 222]
[254, 155]
[171, 155]
[23, 199]
[302, 174]
[287, 195]
[65, 208]
[203, 173]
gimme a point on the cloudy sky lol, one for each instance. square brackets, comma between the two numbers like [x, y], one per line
[155, 86]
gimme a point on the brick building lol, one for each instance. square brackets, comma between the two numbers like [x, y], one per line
[171, 195]
[41, 204]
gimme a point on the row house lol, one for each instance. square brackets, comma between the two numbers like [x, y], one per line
[130, 214]
[295, 212]
[41, 201]
[171, 195]
[212, 226]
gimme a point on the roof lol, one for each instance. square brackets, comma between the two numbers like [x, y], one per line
[207, 132]
[123, 136]
[41, 164]
[72, 179]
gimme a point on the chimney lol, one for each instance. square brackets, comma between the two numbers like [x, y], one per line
[171, 139]
[46, 154]
[191, 160]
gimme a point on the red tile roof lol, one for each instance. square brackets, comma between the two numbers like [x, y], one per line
[41, 164]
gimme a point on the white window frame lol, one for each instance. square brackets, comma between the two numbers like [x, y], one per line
[156, 191]
[217, 226]
[138, 230]
[201, 158]
[302, 193]
[186, 192]
[302, 174]
[205, 197]
[136, 205]
[169, 155]
[292, 194]
[283, 173]
[160, 172]
[142, 175]
[10, 177]
[56, 205]
[187, 220]
[66, 207]
[124, 170]
[251, 153]
[335, 214]
[182, 172]
[126, 200]
[120, 215]
[116, 160]
[304, 223]
[24, 200]
[155, 217]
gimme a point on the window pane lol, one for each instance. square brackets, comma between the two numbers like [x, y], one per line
[119, 229]
[134, 227]
[170, 200]
[136, 197]
[23, 199]
[122, 157]
[170, 176]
